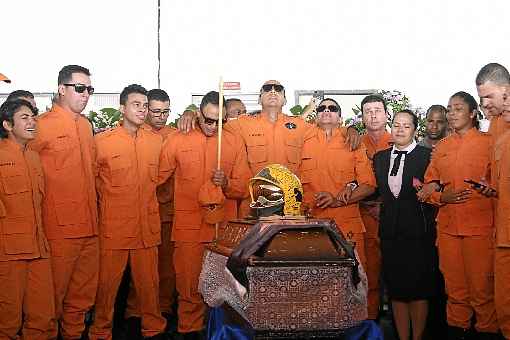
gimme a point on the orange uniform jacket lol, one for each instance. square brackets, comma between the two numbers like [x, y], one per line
[500, 180]
[329, 166]
[126, 184]
[268, 143]
[497, 128]
[165, 192]
[69, 207]
[192, 159]
[455, 159]
[372, 148]
[21, 232]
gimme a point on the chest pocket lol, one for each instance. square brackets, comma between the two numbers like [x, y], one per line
[256, 148]
[341, 166]
[307, 169]
[293, 150]
[119, 170]
[13, 178]
[66, 151]
[189, 161]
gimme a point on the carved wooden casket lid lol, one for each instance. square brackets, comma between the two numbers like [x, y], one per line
[303, 240]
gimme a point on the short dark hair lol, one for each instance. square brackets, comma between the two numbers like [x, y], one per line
[212, 97]
[373, 98]
[19, 94]
[493, 72]
[158, 94]
[133, 88]
[7, 111]
[232, 100]
[66, 73]
[334, 101]
[437, 108]
[472, 105]
[409, 112]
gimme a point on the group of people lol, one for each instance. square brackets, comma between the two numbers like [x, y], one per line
[77, 209]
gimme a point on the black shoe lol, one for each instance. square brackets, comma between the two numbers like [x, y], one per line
[134, 328]
[160, 336]
[489, 336]
[193, 336]
[457, 333]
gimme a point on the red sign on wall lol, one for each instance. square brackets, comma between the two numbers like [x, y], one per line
[232, 85]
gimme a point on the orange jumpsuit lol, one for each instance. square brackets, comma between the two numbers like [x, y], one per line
[500, 180]
[27, 300]
[329, 166]
[267, 143]
[192, 158]
[372, 243]
[66, 147]
[465, 231]
[166, 270]
[129, 225]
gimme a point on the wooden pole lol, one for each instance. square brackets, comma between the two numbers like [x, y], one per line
[220, 123]
[220, 130]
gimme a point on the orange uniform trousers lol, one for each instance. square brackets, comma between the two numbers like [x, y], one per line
[75, 267]
[372, 249]
[188, 258]
[502, 297]
[144, 273]
[467, 264]
[26, 299]
[167, 292]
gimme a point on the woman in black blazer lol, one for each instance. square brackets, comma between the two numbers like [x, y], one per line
[406, 228]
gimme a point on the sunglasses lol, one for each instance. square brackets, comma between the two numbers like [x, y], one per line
[331, 108]
[80, 88]
[210, 121]
[269, 87]
[160, 113]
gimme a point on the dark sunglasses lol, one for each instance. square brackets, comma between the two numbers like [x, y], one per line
[269, 87]
[331, 108]
[80, 88]
[160, 113]
[210, 121]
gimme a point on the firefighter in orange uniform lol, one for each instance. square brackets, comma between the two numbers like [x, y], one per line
[158, 112]
[465, 222]
[335, 178]
[27, 300]
[203, 196]
[375, 117]
[130, 230]
[66, 147]
[271, 136]
[500, 181]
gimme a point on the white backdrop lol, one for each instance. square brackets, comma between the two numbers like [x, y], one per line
[428, 49]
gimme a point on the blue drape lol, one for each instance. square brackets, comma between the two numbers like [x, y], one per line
[219, 328]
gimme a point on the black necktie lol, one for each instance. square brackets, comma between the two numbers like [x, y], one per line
[396, 162]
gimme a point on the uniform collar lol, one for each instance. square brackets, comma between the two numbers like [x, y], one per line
[12, 145]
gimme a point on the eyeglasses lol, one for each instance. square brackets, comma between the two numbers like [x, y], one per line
[80, 88]
[210, 121]
[269, 87]
[331, 108]
[160, 113]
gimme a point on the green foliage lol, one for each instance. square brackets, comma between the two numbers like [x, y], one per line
[192, 107]
[396, 101]
[105, 118]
